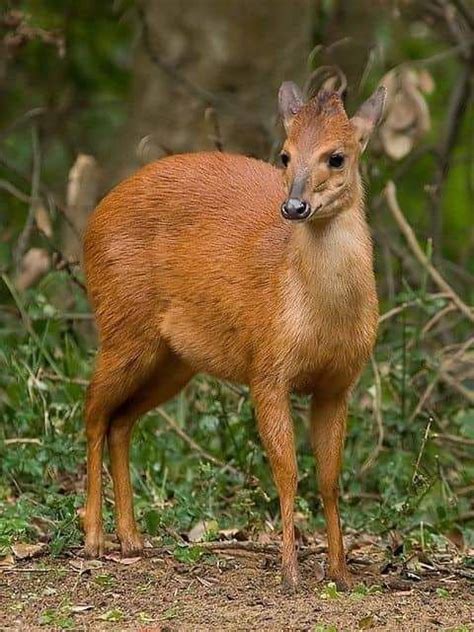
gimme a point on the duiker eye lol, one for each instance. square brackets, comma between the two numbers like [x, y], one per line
[336, 161]
[285, 158]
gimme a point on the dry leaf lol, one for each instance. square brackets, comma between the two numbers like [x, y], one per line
[81, 608]
[24, 551]
[264, 538]
[456, 536]
[7, 561]
[228, 534]
[43, 221]
[126, 561]
[84, 566]
[317, 573]
[200, 529]
[34, 265]
[407, 117]
[425, 81]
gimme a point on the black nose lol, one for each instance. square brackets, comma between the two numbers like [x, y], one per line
[294, 208]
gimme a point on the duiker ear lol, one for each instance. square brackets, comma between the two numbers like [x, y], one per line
[290, 101]
[368, 116]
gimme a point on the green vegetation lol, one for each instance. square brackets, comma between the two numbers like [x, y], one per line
[408, 462]
[413, 480]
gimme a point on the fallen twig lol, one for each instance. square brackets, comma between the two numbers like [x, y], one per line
[12, 569]
[174, 426]
[255, 547]
[17, 440]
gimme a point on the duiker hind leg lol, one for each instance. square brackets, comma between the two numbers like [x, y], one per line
[117, 379]
[114, 379]
[328, 428]
[167, 380]
[276, 429]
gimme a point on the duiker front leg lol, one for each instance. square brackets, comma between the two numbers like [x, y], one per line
[328, 430]
[276, 429]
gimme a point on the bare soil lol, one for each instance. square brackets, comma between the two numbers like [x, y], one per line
[231, 590]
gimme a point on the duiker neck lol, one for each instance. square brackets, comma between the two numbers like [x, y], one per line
[329, 254]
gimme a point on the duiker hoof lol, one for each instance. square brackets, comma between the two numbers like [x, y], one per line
[344, 582]
[94, 547]
[290, 583]
[131, 545]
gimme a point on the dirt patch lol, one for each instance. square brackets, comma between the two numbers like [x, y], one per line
[227, 591]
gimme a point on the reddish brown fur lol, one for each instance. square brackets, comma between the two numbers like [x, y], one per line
[190, 267]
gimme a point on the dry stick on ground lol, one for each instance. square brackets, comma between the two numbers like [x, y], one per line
[254, 547]
[391, 197]
[21, 440]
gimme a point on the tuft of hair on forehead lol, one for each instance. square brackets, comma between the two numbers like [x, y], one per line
[325, 111]
[325, 103]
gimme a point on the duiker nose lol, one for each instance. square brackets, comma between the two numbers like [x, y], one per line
[294, 208]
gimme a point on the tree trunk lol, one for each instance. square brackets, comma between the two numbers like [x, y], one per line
[228, 54]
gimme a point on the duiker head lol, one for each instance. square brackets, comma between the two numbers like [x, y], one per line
[322, 149]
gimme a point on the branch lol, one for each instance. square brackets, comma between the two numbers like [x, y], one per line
[465, 11]
[22, 440]
[378, 416]
[26, 233]
[174, 426]
[453, 439]
[45, 193]
[391, 197]
[212, 120]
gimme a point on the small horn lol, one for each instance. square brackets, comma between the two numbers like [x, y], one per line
[320, 76]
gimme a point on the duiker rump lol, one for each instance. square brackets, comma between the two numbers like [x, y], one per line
[218, 263]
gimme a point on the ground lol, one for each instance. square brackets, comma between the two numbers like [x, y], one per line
[233, 589]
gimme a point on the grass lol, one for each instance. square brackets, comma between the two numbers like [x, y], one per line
[414, 483]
